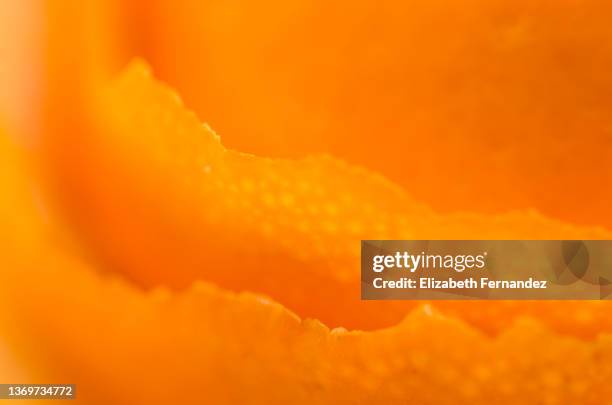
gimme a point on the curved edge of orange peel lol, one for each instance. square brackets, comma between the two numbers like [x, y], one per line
[111, 333]
[155, 172]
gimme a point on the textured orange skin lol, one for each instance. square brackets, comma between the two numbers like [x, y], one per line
[123, 346]
[188, 209]
[144, 339]
[473, 105]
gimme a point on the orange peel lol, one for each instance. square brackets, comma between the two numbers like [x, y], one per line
[189, 209]
[471, 105]
[121, 345]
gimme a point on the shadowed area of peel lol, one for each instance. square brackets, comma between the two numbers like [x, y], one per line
[160, 200]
